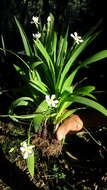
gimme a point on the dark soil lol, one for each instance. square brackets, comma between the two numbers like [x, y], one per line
[79, 165]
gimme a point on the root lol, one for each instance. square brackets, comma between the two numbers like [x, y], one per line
[48, 148]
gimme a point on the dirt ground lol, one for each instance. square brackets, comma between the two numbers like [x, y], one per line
[81, 164]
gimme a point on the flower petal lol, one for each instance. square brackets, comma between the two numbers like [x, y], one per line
[47, 97]
[77, 41]
[24, 144]
[81, 40]
[32, 146]
[72, 35]
[29, 151]
[22, 149]
[56, 101]
[25, 155]
[53, 97]
[75, 34]
[49, 19]
[48, 100]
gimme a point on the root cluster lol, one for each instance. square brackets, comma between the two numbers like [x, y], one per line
[45, 141]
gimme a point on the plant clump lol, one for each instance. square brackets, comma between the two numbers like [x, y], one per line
[48, 66]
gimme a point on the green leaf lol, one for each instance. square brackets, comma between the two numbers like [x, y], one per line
[49, 32]
[62, 49]
[25, 40]
[18, 69]
[35, 64]
[88, 102]
[28, 116]
[39, 86]
[54, 46]
[23, 101]
[66, 114]
[85, 91]
[62, 107]
[61, 55]
[98, 56]
[37, 121]
[43, 109]
[47, 57]
[25, 66]
[30, 164]
[69, 80]
[3, 91]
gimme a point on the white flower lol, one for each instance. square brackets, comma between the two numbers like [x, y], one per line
[35, 20]
[37, 35]
[49, 19]
[51, 100]
[77, 38]
[26, 150]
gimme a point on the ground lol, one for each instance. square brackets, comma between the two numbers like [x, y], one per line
[81, 164]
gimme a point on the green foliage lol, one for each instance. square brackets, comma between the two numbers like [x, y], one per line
[57, 174]
[26, 43]
[51, 68]
[42, 111]
[30, 164]
[23, 101]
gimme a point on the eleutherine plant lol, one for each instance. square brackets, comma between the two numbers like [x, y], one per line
[49, 71]
[51, 68]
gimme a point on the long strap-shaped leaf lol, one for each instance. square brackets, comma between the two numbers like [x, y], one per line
[69, 80]
[54, 46]
[23, 101]
[30, 164]
[88, 102]
[59, 118]
[25, 40]
[62, 48]
[47, 58]
[41, 111]
[61, 55]
[96, 57]
[28, 116]
[26, 66]
[39, 86]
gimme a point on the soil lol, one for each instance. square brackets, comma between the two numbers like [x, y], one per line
[79, 165]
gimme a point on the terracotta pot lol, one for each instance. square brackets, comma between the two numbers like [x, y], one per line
[72, 124]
